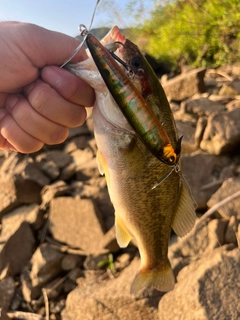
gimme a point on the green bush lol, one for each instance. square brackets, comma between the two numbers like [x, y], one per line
[201, 32]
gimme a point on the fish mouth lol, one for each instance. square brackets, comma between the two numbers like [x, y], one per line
[114, 35]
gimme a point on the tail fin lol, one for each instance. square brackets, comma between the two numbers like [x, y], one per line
[162, 280]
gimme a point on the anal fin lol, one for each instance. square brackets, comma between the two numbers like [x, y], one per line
[185, 216]
[122, 235]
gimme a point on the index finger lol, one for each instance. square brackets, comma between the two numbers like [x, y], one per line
[69, 86]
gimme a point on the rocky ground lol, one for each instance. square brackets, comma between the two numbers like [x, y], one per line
[58, 254]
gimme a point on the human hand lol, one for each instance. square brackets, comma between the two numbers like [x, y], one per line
[38, 100]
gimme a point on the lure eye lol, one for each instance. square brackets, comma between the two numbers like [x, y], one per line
[171, 160]
[136, 62]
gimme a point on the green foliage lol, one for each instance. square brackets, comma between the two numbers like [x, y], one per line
[107, 263]
[201, 32]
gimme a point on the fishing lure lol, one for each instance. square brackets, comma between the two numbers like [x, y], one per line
[135, 109]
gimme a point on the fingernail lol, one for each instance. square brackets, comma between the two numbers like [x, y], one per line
[11, 101]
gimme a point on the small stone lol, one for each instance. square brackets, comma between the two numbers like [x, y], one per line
[81, 217]
[17, 300]
[88, 173]
[69, 286]
[220, 99]
[18, 249]
[185, 85]
[175, 107]
[201, 106]
[50, 169]
[3, 315]
[200, 127]
[109, 241]
[54, 288]
[230, 69]
[186, 130]
[202, 170]
[238, 235]
[12, 220]
[56, 189]
[232, 208]
[232, 105]
[68, 172]
[5, 272]
[57, 307]
[10, 162]
[193, 245]
[7, 289]
[82, 157]
[29, 292]
[230, 89]
[78, 131]
[60, 158]
[29, 170]
[75, 273]
[230, 234]
[79, 142]
[93, 145]
[14, 190]
[70, 262]
[123, 261]
[46, 264]
[222, 133]
[216, 232]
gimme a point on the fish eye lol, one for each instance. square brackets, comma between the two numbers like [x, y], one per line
[136, 62]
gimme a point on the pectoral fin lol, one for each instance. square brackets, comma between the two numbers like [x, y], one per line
[102, 166]
[100, 163]
[185, 216]
[122, 235]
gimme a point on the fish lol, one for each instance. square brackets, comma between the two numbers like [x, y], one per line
[142, 213]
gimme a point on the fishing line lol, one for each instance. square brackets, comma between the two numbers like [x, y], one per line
[164, 178]
[83, 31]
[177, 169]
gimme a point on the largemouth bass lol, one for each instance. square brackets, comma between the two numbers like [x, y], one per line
[131, 169]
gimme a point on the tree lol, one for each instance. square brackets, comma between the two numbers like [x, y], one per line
[202, 32]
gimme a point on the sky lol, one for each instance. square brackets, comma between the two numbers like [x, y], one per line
[59, 15]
